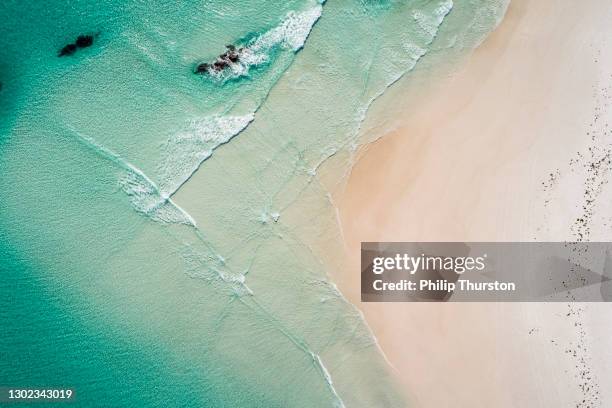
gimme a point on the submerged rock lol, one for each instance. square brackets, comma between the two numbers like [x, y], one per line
[68, 50]
[220, 64]
[82, 41]
[201, 68]
[233, 57]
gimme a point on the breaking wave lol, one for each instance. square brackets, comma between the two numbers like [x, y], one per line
[144, 194]
[147, 199]
[290, 35]
[431, 22]
[185, 151]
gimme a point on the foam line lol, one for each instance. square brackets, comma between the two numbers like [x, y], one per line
[188, 149]
[290, 34]
[301, 344]
[162, 208]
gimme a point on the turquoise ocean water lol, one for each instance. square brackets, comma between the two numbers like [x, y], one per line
[155, 224]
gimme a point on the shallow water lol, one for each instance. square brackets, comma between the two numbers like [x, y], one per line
[155, 224]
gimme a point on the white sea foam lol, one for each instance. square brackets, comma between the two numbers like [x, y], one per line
[146, 199]
[338, 403]
[413, 51]
[143, 192]
[211, 268]
[430, 25]
[431, 22]
[185, 151]
[290, 34]
[293, 31]
[183, 155]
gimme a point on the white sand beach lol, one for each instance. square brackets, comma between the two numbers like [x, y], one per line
[468, 163]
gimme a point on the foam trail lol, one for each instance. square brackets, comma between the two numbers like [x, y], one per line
[319, 363]
[144, 194]
[299, 343]
[210, 266]
[188, 149]
[290, 34]
[431, 23]
[414, 53]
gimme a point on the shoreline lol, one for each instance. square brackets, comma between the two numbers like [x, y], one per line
[519, 106]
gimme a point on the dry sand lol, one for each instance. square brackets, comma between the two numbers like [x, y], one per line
[467, 164]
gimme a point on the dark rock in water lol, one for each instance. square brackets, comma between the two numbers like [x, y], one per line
[202, 68]
[84, 41]
[227, 59]
[68, 50]
[220, 65]
[232, 56]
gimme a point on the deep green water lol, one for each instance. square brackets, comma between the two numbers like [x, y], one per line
[156, 225]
